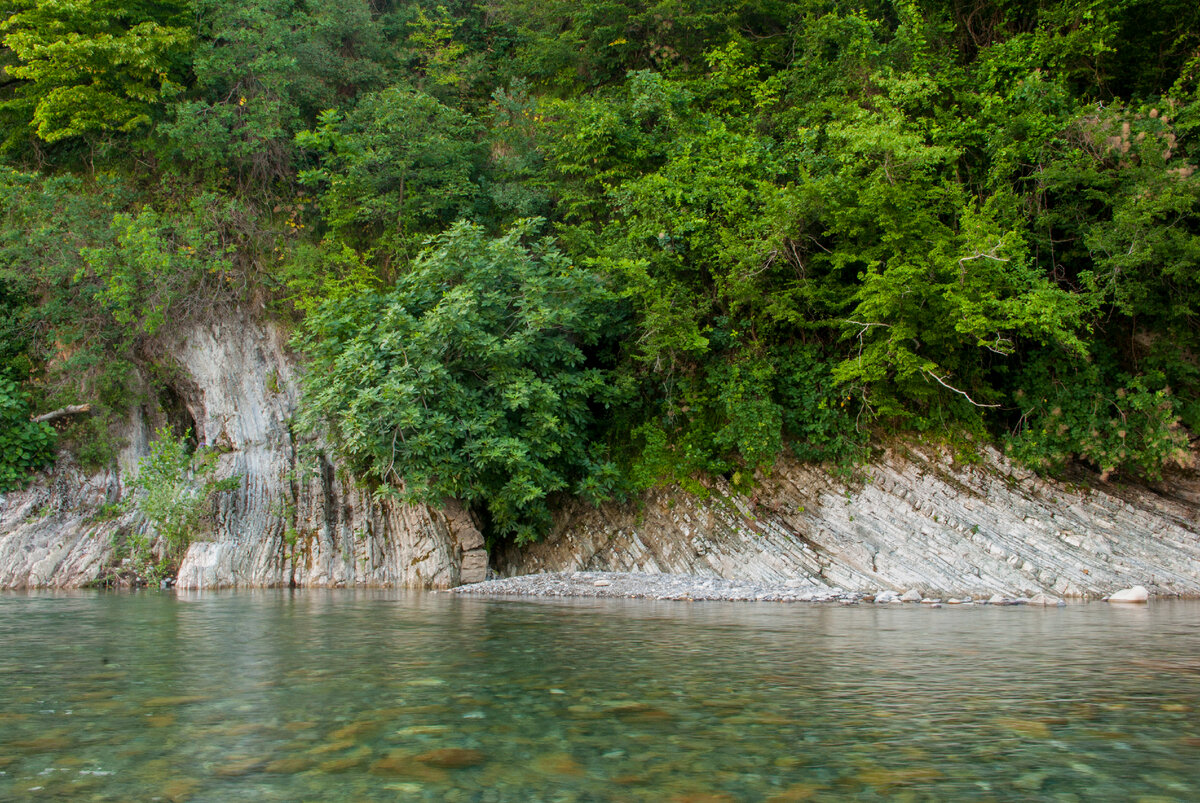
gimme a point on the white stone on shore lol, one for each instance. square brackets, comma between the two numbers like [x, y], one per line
[1045, 600]
[995, 599]
[1135, 594]
[912, 595]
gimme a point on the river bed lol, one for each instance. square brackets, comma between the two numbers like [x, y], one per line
[328, 695]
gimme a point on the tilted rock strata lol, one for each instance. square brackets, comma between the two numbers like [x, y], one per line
[917, 521]
[49, 534]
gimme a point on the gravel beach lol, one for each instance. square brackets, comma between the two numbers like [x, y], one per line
[683, 587]
[654, 586]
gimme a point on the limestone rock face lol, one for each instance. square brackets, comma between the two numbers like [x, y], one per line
[912, 521]
[52, 535]
[295, 519]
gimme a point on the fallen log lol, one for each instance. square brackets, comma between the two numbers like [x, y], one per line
[62, 412]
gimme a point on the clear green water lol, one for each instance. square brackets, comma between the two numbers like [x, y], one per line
[389, 696]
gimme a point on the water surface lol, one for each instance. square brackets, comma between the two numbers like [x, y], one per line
[314, 695]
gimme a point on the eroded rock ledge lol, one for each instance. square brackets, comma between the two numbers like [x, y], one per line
[914, 520]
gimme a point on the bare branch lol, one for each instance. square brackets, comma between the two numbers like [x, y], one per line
[62, 412]
[962, 267]
[962, 393]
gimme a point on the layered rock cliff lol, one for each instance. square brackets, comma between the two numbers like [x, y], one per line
[294, 520]
[912, 518]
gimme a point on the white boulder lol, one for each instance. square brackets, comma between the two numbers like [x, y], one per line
[1135, 594]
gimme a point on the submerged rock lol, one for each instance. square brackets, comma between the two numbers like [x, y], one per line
[451, 758]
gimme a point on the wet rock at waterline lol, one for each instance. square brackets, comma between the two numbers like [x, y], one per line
[634, 585]
[1135, 594]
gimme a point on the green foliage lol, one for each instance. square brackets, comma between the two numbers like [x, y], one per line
[440, 58]
[24, 445]
[155, 264]
[573, 46]
[470, 378]
[819, 417]
[65, 349]
[751, 420]
[1092, 411]
[396, 170]
[174, 488]
[92, 66]
[263, 69]
[794, 225]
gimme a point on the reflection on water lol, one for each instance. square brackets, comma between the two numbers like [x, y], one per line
[391, 696]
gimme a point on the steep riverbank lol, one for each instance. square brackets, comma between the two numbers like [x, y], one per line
[914, 518]
[294, 520]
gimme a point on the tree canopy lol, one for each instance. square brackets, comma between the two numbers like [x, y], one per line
[782, 225]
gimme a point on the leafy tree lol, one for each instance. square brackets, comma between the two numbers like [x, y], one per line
[93, 67]
[824, 221]
[471, 377]
[397, 169]
[263, 70]
[45, 224]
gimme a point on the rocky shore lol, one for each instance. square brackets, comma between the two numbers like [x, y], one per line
[915, 517]
[689, 588]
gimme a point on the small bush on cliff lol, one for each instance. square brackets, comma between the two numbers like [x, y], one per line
[175, 487]
[470, 378]
[24, 445]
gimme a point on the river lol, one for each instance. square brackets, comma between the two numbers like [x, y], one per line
[328, 695]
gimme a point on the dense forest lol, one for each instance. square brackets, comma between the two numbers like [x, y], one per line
[530, 249]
